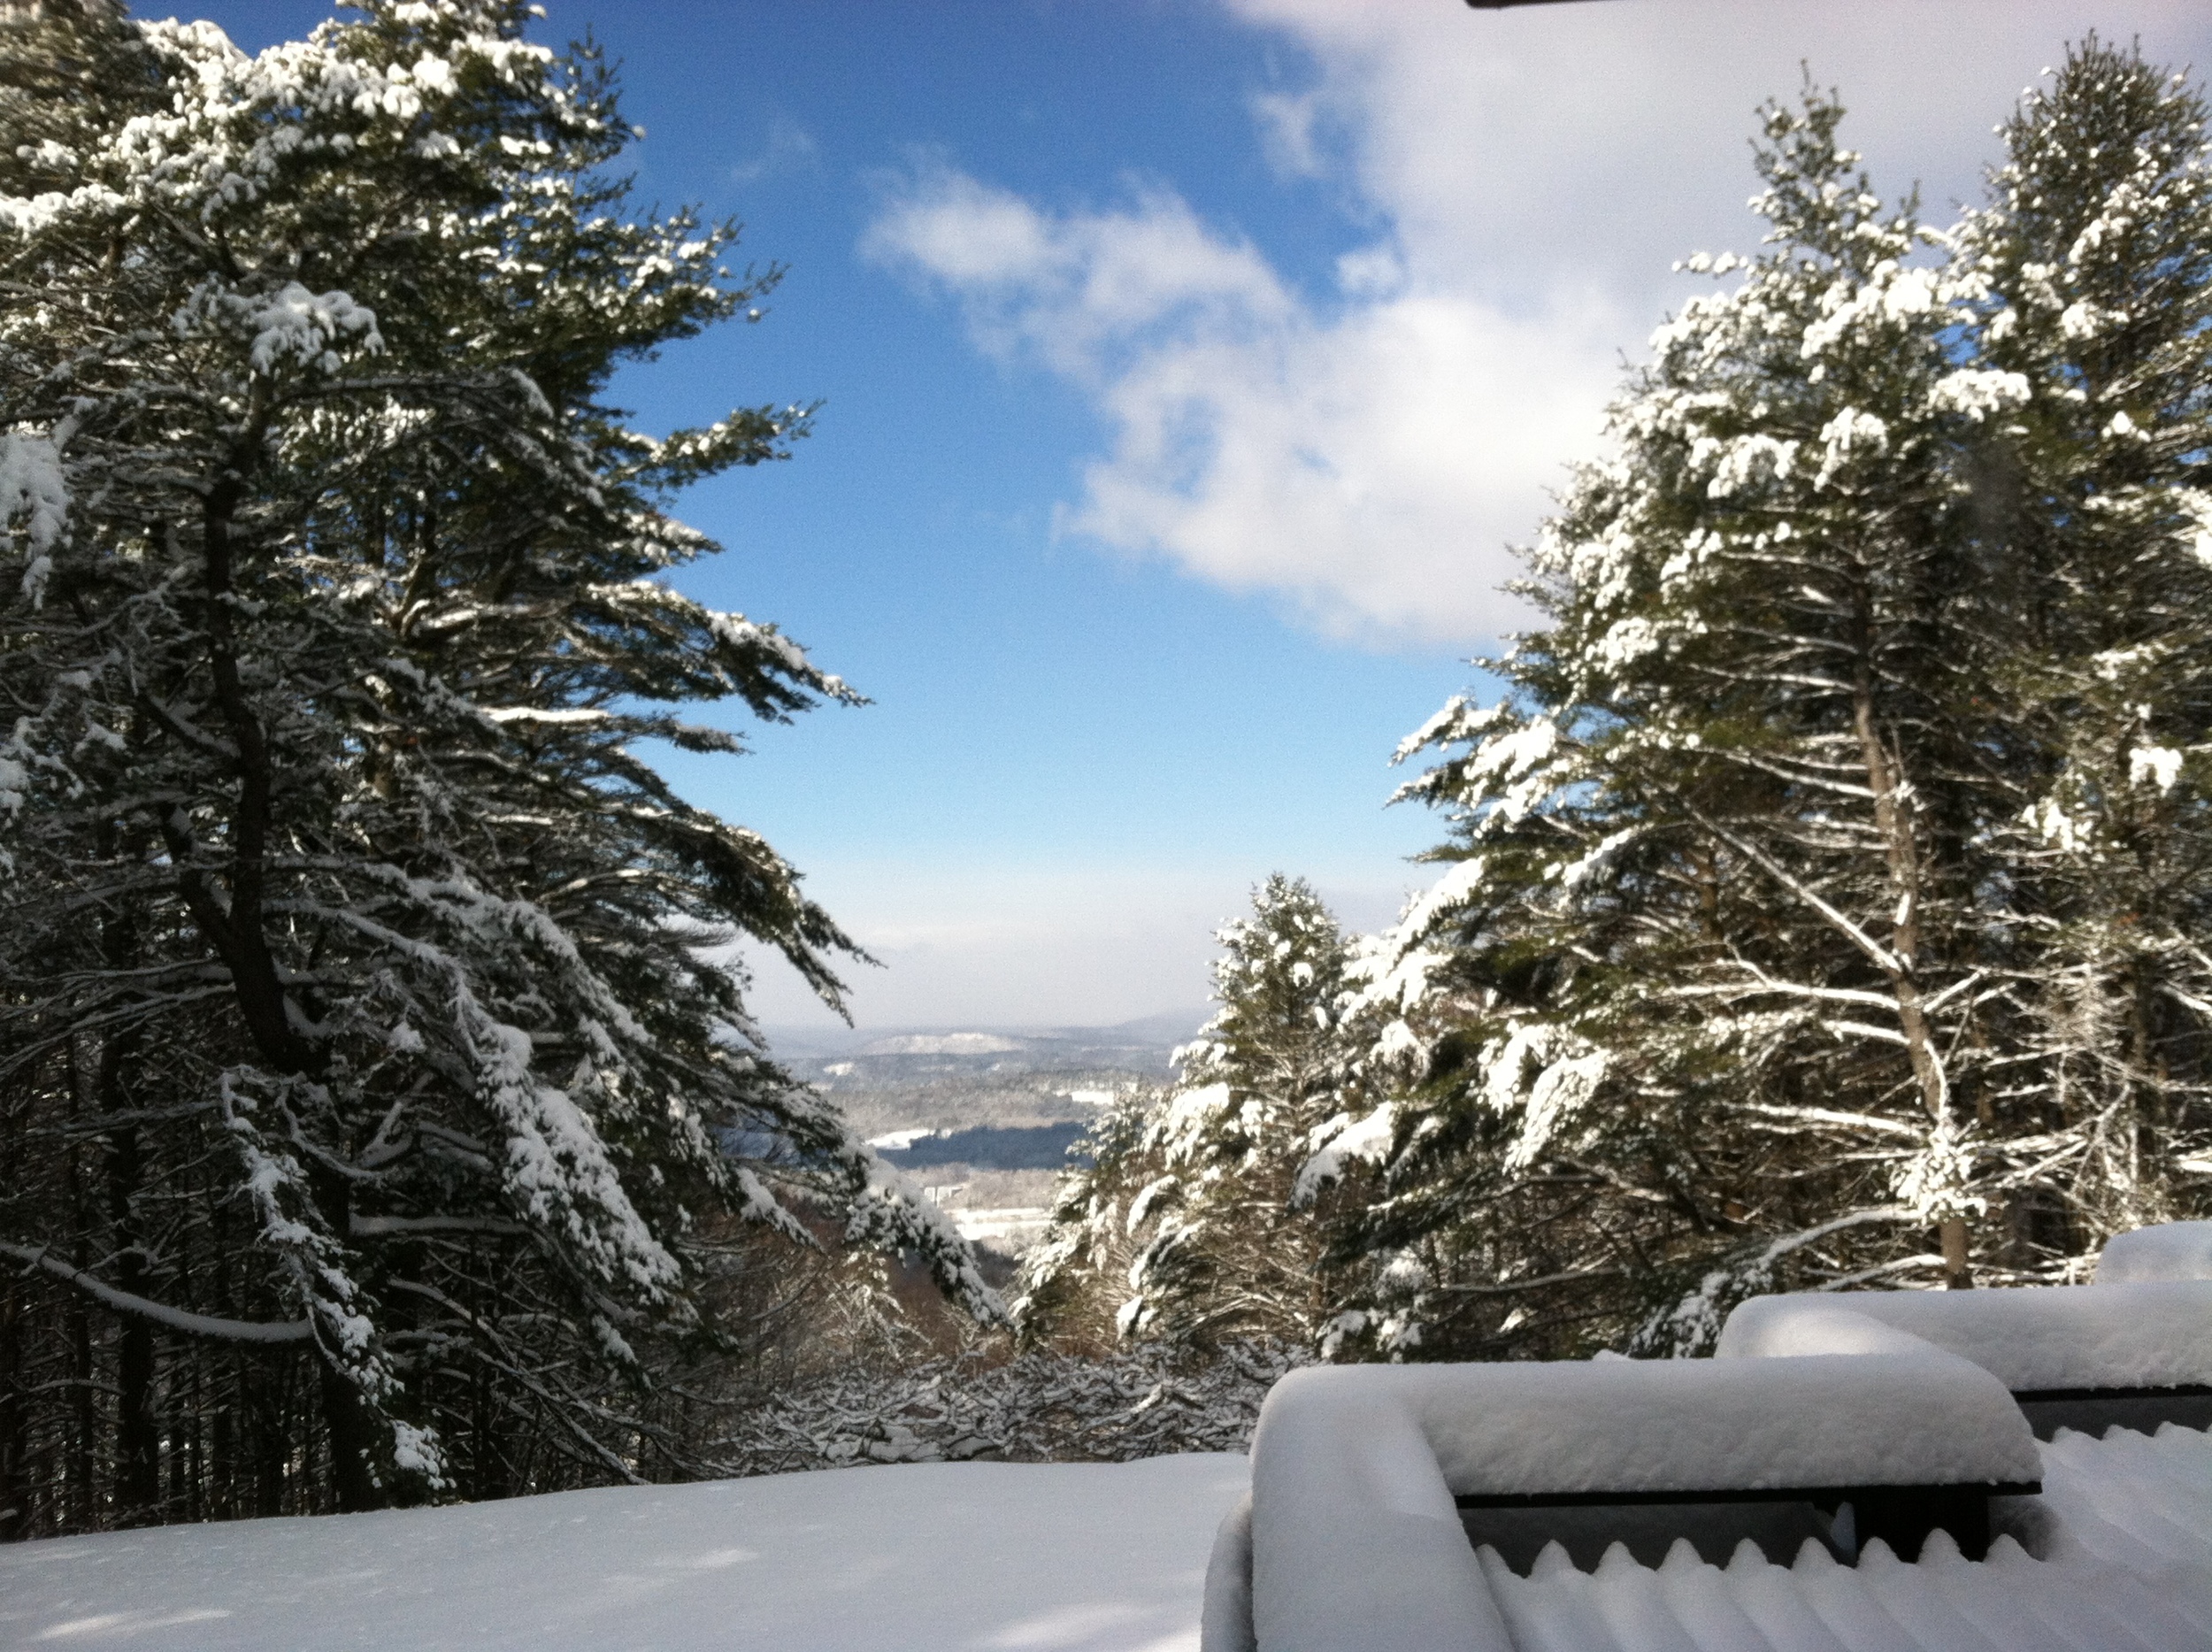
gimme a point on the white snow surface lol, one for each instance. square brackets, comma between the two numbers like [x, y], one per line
[1354, 1539]
[2172, 1250]
[1013, 1228]
[928, 1557]
[2146, 1334]
[297, 325]
[1819, 1325]
[1835, 1418]
[899, 1140]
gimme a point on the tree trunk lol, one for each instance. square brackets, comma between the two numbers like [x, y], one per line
[1956, 1274]
[226, 1426]
[356, 1439]
[137, 1428]
[84, 1494]
[265, 1388]
[233, 923]
[81, 1459]
[1894, 821]
[352, 1440]
[15, 1430]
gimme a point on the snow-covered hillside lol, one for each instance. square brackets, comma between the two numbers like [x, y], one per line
[1046, 1557]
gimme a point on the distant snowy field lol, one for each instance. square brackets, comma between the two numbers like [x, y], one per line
[927, 1558]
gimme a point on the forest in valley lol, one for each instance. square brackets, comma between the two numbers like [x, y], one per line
[1819, 896]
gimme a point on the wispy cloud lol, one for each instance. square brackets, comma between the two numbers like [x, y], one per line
[790, 147]
[1090, 294]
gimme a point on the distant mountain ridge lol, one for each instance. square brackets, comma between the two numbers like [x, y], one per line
[942, 1044]
[1004, 1098]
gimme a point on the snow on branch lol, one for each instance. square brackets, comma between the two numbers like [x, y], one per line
[1141, 1401]
[32, 487]
[177, 1320]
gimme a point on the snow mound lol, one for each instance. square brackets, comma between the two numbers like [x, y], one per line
[2033, 1339]
[1068, 1558]
[1828, 1417]
[2172, 1250]
[1818, 1325]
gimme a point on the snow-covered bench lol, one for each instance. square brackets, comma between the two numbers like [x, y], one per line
[1360, 1473]
[2137, 1353]
[1911, 1406]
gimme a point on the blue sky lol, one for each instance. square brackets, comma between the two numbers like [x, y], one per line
[1186, 369]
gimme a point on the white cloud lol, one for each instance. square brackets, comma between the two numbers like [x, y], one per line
[1366, 462]
[1369, 452]
[1372, 467]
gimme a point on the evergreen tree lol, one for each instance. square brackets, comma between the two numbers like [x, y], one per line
[1074, 1279]
[346, 933]
[2096, 250]
[1190, 1225]
[1758, 961]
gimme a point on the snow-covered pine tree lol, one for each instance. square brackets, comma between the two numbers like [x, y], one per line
[1074, 1279]
[1729, 971]
[364, 991]
[2096, 248]
[1189, 1227]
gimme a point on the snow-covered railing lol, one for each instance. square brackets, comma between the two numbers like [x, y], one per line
[2137, 1354]
[1360, 1473]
